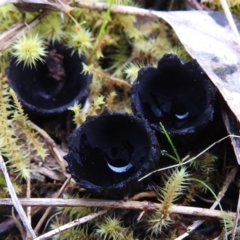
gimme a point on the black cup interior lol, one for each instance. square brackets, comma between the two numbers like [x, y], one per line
[112, 148]
[176, 94]
[39, 91]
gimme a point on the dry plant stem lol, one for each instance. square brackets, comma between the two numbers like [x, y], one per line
[115, 81]
[9, 33]
[15, 200]
[34, 5]
[229, 179]
[204, 199]
[51, 143]
[7, 225]
[56, 195]
[195, 4]
[70, 225]
[116, 8]
[192, 159]
[8, 37]
[58, 176]
[236, 219]
[111, 204]
[28, 195]
[149, 194]
[18, 224]
[231, 125]
[230, 20]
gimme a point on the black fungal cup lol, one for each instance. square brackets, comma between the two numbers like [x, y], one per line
[110, 152]
[177, 94]
[53, 85]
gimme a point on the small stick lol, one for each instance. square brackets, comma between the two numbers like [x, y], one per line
[149, 194]
[236, 219]
[111, 204]
[56, 195]
[195, 4]
[15, 200]
[229, 179]
[18, 224]
[70, 225]
[115, 8]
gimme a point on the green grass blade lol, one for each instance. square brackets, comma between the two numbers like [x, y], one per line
[171, 143]
[105, 20]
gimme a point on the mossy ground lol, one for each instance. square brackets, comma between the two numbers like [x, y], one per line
[114, 57]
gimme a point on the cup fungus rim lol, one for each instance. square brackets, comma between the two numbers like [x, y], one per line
[80, 96]
[152, 156]
[193, 64]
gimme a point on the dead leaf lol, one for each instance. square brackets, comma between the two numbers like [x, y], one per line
[233, 128]
[208, 38]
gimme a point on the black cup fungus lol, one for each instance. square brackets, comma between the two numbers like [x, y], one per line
[177, 94]
[53, 85]
[110, 152]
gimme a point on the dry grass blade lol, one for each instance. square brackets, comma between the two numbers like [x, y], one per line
[192, 159]
[232, 126]
[35, 5]
[70, 225]
[15, 200]
[229, 179]
[116, 8]
[28, 195]
[8, 37]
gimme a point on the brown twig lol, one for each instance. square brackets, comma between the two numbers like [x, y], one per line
[195, 4]
[111, 204]
[149, 194]
[18, 224]
[7, 225]
[41, 221]
[114, 81]
[70, 225]
[116, 8]
[14, 199]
